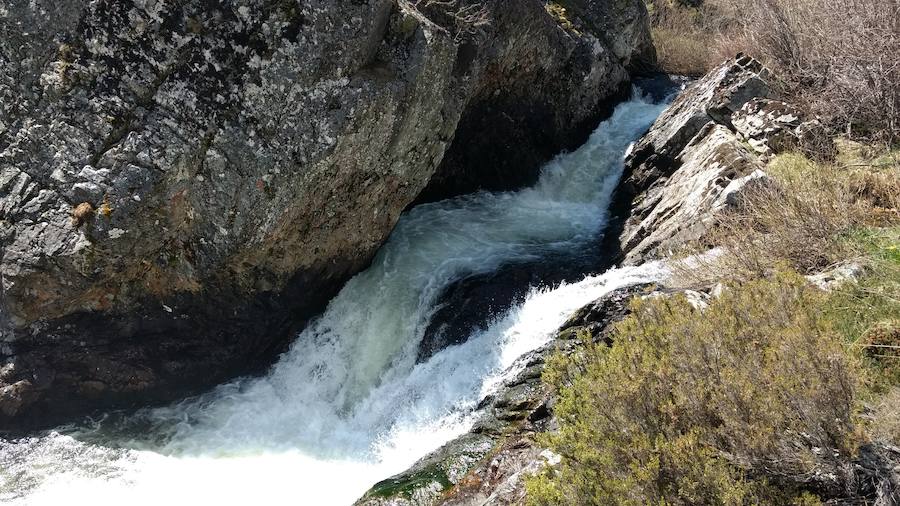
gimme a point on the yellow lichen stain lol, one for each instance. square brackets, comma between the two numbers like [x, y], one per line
[105, 209]
[559, 13]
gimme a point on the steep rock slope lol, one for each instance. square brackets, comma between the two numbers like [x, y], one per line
[181, 183]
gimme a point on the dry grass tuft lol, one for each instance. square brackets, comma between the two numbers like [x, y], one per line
[804, 218]
[82, 213]
[885, 424]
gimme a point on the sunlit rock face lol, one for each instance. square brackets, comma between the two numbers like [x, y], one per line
[690, 165]
[181, 184]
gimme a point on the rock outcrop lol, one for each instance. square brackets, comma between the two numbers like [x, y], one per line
[772, 126]
[690, 165]
[700, 154]
[181, 184]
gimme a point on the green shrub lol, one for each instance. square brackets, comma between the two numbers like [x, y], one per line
[867, 312]
[694, 406]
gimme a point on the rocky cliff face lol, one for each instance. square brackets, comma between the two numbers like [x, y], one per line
[181, 183]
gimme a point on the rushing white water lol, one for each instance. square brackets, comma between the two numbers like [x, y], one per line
[348, 405]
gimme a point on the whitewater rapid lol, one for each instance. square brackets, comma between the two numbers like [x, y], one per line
[347, 405]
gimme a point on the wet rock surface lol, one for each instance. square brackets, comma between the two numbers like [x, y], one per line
[181, 185]
[471, 303]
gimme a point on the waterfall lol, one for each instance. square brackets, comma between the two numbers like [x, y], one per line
[348, 405]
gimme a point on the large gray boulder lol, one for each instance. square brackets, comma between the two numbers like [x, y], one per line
[691, 165]
[182, 183]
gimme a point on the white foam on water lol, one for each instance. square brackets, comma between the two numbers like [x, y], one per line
[348, 405]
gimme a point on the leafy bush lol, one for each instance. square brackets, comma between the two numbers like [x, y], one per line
[694, 406]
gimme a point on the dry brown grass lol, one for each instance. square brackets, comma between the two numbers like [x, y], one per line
[82, 213]
[885, 424]
[838, 59]
[684, 34]
[803, 218]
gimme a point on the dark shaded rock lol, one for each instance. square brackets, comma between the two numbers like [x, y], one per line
[620, 26]
[512, 125]
[597, 317]
[876, 475]
[471, 303]
[243, 159]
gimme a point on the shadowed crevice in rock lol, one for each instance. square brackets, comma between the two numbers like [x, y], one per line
[501, 144]
[161, 350]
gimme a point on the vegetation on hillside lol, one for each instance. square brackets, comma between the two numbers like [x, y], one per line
[836, 59]
[769, 393]
[688, 406]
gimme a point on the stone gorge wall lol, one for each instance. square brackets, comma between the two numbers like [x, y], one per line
[182, 182]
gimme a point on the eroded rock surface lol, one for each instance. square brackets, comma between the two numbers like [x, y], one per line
[182, 183]
[689, 166]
